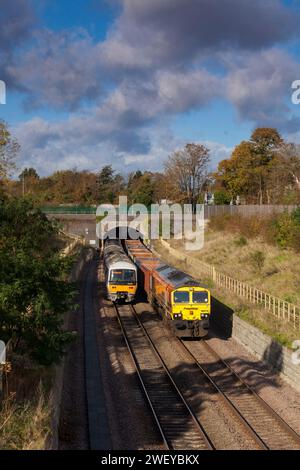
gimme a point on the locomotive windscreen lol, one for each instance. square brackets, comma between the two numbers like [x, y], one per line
[122, 276]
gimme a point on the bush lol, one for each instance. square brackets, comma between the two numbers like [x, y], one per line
[296, 239]
[241, 241]
[283, 230]
[296, 216]
[257, 259]
[221, 198]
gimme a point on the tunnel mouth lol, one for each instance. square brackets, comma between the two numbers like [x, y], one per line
[124, 233]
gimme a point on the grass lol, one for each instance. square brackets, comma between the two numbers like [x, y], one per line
[25, 417]
[275, 270]
[25, 425]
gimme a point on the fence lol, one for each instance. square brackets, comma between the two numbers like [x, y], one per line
[247, 210]
[68, 209]
[209, 211]
[76, 240]
[280, 308]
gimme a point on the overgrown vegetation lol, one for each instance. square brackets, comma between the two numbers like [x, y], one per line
[282, 230]
[257, 259]
[25, 425]
[34, 289]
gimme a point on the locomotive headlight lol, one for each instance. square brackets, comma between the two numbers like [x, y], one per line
[204, 315]
[178, 316]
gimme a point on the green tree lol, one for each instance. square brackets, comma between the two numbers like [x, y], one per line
[221, 198]
[34, 291]
[141, 188]
[28, 173]
[108, 184]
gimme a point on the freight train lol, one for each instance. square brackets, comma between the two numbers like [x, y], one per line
[183, 303]
[120, 273]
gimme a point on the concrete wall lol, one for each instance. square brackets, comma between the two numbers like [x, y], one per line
[82, 225]
[265, 348]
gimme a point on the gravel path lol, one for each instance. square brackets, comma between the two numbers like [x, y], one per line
[73, 419]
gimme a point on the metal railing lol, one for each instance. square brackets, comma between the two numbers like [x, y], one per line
[68, 209]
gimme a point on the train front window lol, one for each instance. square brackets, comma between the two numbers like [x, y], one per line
[200, 297]
[181, 297]
[122, 276]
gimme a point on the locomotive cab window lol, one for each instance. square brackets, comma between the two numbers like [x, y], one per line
[200, 297]
[181, 297]
[122, 276]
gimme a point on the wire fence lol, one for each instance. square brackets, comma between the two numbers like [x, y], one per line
[281, 309]
[68, 209]
[209, 210]
[248, 210]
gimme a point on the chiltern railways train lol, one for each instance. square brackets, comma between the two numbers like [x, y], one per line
[120, 273]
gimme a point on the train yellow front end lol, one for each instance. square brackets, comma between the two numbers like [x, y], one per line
[120, 273]
[190, 310]
[183, 303]
[122, 285]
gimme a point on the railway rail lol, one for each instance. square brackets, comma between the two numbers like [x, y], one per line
[177, 424]
[269, 430]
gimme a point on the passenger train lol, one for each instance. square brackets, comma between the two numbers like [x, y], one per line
[183, 302]
[120, 273]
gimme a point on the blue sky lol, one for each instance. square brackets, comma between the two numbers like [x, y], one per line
[127, 82]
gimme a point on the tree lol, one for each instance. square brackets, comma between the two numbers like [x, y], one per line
[8, 151]
[247, 172]
[141, 188]
[265, 143]
[28, 173]
[34, 291]
[108, 184]
[28, 178]
[186, 169]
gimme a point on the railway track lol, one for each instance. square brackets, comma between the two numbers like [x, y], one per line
[268, 429]
[177, 424]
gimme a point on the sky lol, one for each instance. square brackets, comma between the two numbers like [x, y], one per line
[127, 82]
